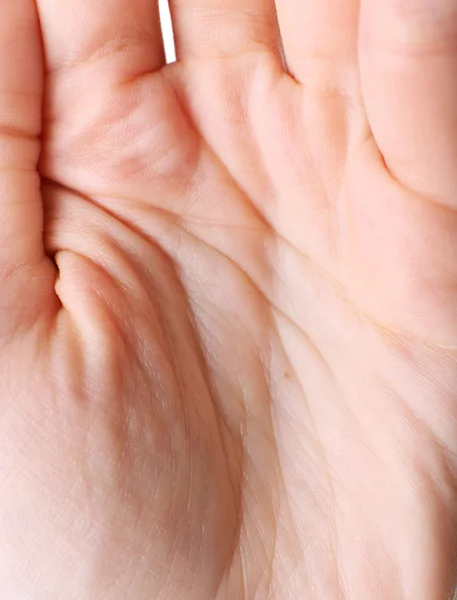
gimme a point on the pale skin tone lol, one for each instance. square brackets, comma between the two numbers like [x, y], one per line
[228, 291]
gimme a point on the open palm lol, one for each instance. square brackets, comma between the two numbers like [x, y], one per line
[228, 300]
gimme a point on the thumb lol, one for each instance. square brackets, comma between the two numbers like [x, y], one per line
[21, 212]
[408, 61]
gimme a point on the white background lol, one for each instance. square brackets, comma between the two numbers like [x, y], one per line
[167, 31]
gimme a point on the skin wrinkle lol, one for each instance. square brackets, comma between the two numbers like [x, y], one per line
[226, 169]
[426, 432]
[263, 34]
[236, 493]
[238, 185]
[316, 433]
[16, 132]
[241, 270]
[428, 199]
[283, 498]
[267, 572]
[112, 49]
[214, 331]
[168, 344]
[238, 267]
[431, 483]
[215, 404]
[280, 313]
[219, 159]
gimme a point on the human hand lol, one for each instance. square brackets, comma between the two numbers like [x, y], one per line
[228, 330]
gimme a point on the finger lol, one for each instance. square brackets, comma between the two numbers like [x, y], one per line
[208, 29]
[21, 82]
[123, 37]
[319, 37]
[408, 61]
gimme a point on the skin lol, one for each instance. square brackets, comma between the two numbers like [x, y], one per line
[228, 290]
